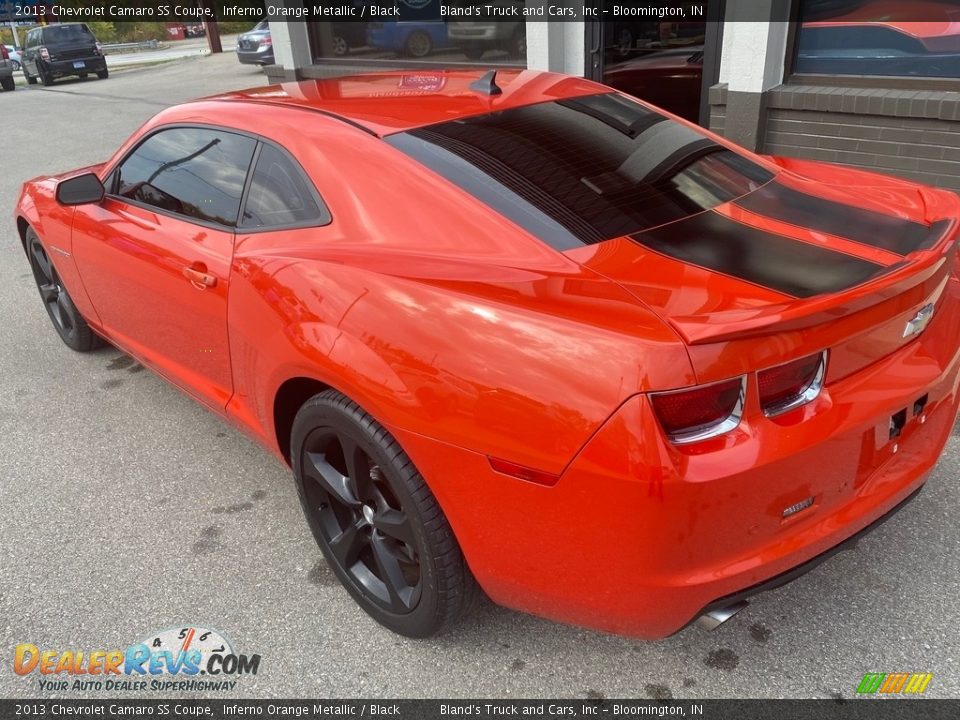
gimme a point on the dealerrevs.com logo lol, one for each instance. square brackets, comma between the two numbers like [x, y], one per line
[186, 658]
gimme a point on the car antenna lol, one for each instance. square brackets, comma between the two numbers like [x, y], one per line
[487, 84]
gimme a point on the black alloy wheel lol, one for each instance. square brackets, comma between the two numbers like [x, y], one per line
[66, 319]
[377, 524]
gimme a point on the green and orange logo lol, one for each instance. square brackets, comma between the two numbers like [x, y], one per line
[901, 683]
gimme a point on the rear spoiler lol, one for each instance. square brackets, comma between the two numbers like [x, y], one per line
[916, 278]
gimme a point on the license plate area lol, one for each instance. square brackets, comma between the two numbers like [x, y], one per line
[902, 422]
[885, 440]
[79, 64]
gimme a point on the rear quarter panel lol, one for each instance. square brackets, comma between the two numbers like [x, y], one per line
[435, 314]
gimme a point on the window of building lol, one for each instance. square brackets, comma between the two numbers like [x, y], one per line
[658, 60]
[868, 37]
[422, 35]
[195, 172]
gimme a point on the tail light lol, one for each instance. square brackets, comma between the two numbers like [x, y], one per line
[99, 48]
[44, 53]
[3, 52]
[702, 412]
[266, 42]
[789, 386]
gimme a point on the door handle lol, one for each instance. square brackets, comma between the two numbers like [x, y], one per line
[198, 275]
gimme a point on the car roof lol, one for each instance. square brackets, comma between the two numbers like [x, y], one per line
[390, 102]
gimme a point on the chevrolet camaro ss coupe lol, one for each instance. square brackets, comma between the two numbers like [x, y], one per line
[519, 332]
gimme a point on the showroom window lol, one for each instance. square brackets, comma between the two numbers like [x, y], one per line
[861, 37]
[421, 35]
[660, 61]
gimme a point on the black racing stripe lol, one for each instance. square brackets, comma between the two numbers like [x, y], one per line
[886, 232]
[796, 268]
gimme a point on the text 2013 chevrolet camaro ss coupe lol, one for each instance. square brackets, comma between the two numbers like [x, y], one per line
[524, 332]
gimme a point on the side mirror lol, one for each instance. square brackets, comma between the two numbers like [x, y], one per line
[80, 190]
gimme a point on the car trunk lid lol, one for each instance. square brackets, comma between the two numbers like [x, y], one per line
[786, 270]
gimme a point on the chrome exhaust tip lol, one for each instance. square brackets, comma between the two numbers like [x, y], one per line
[715, 618]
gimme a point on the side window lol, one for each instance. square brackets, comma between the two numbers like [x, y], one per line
[195, 172]
[31, 39]
[280, 194]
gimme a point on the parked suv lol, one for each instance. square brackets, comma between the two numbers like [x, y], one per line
[55, 51]
[6, 70]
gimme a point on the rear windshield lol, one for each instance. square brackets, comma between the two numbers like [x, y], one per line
[584, 170]
[67, 33]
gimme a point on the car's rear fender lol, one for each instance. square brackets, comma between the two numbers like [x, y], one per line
[476, 365]
[638, 536]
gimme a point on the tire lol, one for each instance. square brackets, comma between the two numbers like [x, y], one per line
[376, 522]
[8, 83]
[16, 65]
[31, 80]
[340, 46]
[66, 319]
[103, 74]
[418, 44]
[45, 77]
[473, 51]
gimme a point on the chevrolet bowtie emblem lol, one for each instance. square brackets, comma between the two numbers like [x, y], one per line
[919, 321]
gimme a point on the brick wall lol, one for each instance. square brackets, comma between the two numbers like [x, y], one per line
[910, 133]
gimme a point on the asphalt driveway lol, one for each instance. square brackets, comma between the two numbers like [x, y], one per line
[126, 509]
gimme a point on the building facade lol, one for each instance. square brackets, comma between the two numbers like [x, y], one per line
[869, 83]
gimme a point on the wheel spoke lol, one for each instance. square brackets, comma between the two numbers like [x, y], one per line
[318, 468]
[394, 523]
[358, 468]
[43, 262]
[63, 307]
[347, 545]
[49, 292]
[389, 571]
[57, 312]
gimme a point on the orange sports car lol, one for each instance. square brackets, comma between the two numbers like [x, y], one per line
[523, 333]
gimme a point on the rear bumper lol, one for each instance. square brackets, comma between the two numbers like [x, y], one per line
[639, 536]
[255, 57]
[802, 569]
[59, 68]
[484, 34]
